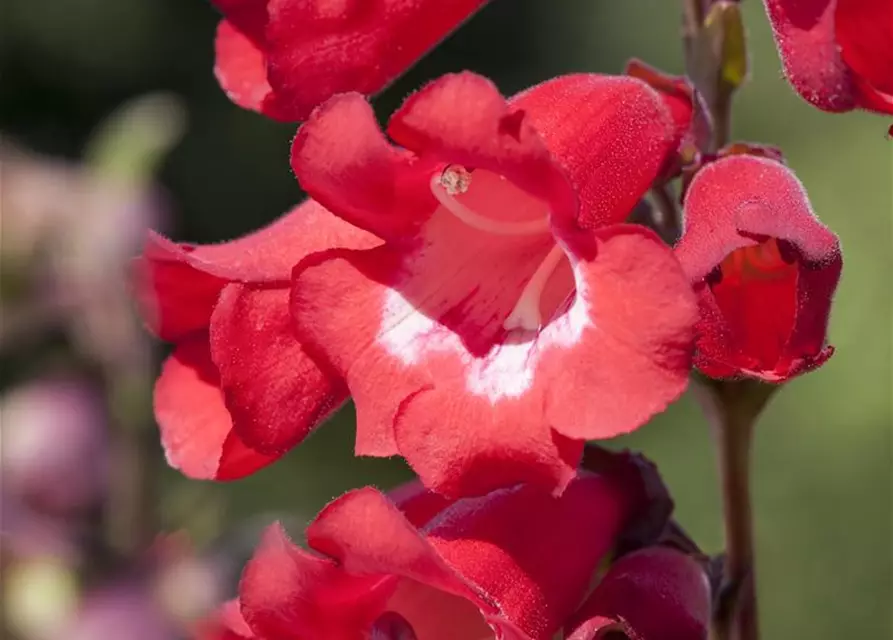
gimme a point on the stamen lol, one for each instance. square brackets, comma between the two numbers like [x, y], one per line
[526, 314]
[456, 180]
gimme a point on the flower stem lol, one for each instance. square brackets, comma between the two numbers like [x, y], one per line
[732, 407]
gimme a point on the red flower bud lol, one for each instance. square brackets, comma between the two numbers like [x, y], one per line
[764, 268]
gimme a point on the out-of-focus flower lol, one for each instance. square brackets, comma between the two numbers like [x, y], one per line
[284, 57]
[507, 317]
[54, 445]
[69, 229]
[239, 389]
[837, 54]
[764, 267]
[119, 610]
[513, 564]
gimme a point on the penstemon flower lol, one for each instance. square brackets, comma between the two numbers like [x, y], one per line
[508, 316]
[513, 564]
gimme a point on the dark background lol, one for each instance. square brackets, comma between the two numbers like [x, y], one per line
[824, 491]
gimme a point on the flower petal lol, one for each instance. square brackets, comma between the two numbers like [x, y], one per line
[864, 31]
[653, 594]
[317, 50]
[289, 593]
[174, 297]
[417, 502]
[241, 67]
[804, 34]
[497, 543]
[196, 430]
[177, 285]
[275, 392]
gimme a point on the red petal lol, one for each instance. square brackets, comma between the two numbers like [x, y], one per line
[497, 541]
[248, 16]
[804, 33]
[611, 135]
[196, 431]
[633, 356]
[653, 594]
[864, 30]
[241, 67]
[174, 297]
[317, 50]
[362, 181]
[746, 201]
[463, 119]
[276, 393]
[290, 594]
[177, 285]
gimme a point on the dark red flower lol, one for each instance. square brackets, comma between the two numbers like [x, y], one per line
[239, 390]
[284, 57]
[507, 318]
[513, 564]
[653, 594]
[838, 54]
[764, 267]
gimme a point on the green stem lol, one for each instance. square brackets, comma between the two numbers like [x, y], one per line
[732, 407]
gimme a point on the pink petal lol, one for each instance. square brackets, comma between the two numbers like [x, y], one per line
[653, 594]
[275, 392]
[317, 50]
[196, 430]
[804, 34]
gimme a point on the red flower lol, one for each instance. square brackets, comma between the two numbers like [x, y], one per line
[765, 270]
[284, 57]
[838, 54]
[507, 318]
[239, 390]
[652, 594]
[513, 564]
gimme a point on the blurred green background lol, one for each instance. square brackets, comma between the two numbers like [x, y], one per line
[824, 454]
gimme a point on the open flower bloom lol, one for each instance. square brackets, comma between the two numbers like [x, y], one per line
[239, 390]
[507, 317]
[513, 564]
[838, 54]
[284, 57]
[764, 267]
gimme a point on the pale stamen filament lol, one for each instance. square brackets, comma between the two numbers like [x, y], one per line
[526, 313]
[455, 180]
